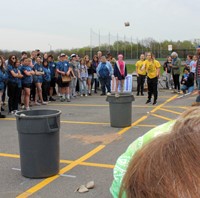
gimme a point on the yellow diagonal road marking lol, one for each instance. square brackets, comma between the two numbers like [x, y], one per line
[68, 122]
[146, 125]
[9, 155]
[88, 123]
[163, 104]
[65, 161]
[45, 182]
[162, 117]
[170, 111]
[124, 130]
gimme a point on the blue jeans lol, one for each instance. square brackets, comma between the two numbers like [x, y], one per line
[198, 97]
[190, 89]
[105, 84]
[82, 87]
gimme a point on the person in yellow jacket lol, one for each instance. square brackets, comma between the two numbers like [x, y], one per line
[141, 75]
[152, 67]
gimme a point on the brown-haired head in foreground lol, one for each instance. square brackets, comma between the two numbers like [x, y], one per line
[168, 166]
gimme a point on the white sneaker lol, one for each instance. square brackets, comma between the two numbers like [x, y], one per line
[116, 95]
[81, 95]
[108, 94]
[44, 103]
[37, 103]
[86, 95]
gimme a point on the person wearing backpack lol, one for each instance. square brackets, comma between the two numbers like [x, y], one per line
[104, 72]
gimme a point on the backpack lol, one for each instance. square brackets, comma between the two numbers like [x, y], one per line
[104, 71]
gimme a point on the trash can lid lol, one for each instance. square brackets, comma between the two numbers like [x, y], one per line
[37, 113]
[122, 97]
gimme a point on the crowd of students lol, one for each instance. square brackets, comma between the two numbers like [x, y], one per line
[34, 80]
[173, 73]
[150, 67]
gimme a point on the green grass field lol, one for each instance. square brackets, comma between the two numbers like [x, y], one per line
[130, 68]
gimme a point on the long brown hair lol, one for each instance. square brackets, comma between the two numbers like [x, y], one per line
[10, 60]
[168, 166]
[87, 63]
[2, 64]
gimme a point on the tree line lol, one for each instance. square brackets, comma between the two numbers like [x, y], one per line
[130, 50]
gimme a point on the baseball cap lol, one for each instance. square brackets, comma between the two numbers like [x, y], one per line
[73, 55]
[62, 54]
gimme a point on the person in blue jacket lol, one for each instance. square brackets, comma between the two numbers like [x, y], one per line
[3, 77]
[52, 67]
[104, 72]
[46, 80]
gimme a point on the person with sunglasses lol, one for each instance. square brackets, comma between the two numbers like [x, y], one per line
[14, 75]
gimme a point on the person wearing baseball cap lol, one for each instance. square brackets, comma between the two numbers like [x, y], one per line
[73, 55]
[62, 68]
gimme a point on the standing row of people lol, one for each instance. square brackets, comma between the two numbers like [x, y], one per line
[35, 78]
[172, 67]
[150, 67]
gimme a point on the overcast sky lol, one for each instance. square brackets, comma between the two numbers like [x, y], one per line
[66, 24]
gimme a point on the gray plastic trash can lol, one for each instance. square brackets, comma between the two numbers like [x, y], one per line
[38, 132]
[120, 110]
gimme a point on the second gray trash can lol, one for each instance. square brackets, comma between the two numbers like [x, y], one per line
[120, 109]
[38, 132]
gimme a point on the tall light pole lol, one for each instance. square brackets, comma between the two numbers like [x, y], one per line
[127, 24]
[91, 43]
[50, 47]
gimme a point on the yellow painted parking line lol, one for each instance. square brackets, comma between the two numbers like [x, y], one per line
[96, 105]
[124, 130]
[47, 181]
[177, 107]
[64, 161]
[163, 104]
[68, 122]
[90, 164]
[142, 106]
[78, 105]
[97, 165]
[146, 125]
[159, 96]
[8, 119]
[88, 123]
[9, 155]
[170, 111]
[162, 117]
[77, 162]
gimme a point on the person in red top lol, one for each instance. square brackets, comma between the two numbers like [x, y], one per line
[120, 72]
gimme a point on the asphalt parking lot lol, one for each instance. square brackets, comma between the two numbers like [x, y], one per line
[89, 147]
